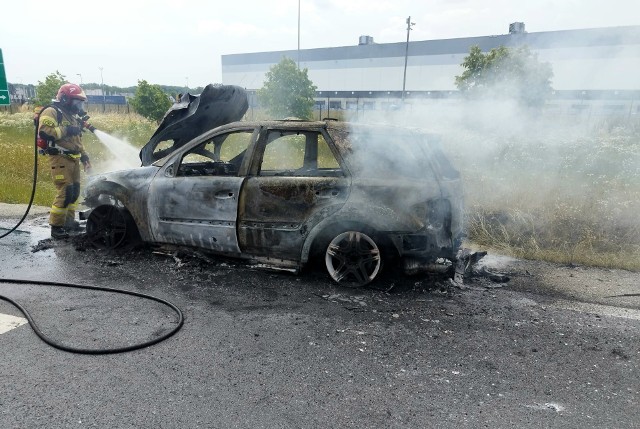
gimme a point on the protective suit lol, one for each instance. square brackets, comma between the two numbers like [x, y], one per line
[61, 125]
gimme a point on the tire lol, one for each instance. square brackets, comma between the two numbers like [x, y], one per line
[353, 258]
[109, 227]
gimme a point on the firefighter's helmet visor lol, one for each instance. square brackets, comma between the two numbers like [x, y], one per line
[77, 105]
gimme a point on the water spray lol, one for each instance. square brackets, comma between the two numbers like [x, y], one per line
[126, 155]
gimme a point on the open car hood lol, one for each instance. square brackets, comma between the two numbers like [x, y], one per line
[193, 115]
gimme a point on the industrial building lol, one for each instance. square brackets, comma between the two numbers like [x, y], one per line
[597, 66]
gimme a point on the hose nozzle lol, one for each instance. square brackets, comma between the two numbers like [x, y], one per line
[88, 126]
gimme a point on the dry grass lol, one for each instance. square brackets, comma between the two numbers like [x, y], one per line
[563, 234]
[568, 195]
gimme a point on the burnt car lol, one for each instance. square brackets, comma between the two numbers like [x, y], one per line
[285, 193]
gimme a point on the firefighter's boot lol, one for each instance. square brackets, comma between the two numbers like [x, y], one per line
[58, 232]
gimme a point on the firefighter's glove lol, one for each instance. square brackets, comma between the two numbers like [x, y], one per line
[84, 159]
[71, 130]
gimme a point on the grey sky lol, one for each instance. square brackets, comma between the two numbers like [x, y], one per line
[179, 42]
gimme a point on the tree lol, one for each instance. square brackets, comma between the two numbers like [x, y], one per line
[150, 101]
[47, 90]
[287, 91]
[506, 73]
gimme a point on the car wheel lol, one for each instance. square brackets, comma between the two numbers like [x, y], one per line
[108, 226]
[353, 258]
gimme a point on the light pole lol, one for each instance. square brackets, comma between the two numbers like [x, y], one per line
[298, 34]
[80, 74]
[406, 56]
[102, 86]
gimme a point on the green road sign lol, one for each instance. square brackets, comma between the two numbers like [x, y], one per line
[4, 89]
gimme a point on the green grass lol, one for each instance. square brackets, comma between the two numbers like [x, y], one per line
[17, 142]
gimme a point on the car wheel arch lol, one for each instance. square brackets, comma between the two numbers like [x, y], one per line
[324, 231]
[354, 253]
[110, 226]
[115, 195]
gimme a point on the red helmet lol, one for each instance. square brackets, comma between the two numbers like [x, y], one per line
[70, 91]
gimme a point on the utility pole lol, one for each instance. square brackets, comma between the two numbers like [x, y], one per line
[80, 74]
[298, 34]
[406, 56]
[102, 84]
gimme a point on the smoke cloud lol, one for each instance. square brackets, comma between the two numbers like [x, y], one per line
[539, 183]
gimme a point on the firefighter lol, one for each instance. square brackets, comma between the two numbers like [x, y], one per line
[61, 126]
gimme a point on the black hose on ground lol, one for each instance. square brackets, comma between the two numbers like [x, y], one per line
[33, 189]
[96, 288]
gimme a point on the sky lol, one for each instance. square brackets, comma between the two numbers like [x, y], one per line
[180, 42]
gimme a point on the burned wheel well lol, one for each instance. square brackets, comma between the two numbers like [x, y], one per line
[321, 241]
[104, 199]
[109, 199]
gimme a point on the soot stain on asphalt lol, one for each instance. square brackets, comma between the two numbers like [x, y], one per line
[239, 286]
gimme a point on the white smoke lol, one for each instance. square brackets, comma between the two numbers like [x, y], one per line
[537, 180]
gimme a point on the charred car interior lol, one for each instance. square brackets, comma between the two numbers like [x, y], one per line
[284, 193]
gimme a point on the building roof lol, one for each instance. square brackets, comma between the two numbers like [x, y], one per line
[590, 37]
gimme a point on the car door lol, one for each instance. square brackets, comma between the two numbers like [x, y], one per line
[296, 180]
[194, 200]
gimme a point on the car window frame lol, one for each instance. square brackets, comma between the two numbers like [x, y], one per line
[170, 168]
[261, 143]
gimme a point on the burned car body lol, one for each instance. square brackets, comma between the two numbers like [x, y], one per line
[287, 192]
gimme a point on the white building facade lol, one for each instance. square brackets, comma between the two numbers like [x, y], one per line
[587, 64]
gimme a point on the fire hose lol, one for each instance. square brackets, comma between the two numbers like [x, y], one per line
[32, 323]
[33, 188]
[43, 337]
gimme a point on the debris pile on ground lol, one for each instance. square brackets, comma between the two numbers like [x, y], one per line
[467, 268]
[45, 244]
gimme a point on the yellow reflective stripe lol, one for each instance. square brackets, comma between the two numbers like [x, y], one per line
[51, 123]
[74, 156]
[48, 121]
[72, 206]
[59, 176]
[58, 210]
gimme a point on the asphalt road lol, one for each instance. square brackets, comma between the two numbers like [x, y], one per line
[262, 349]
